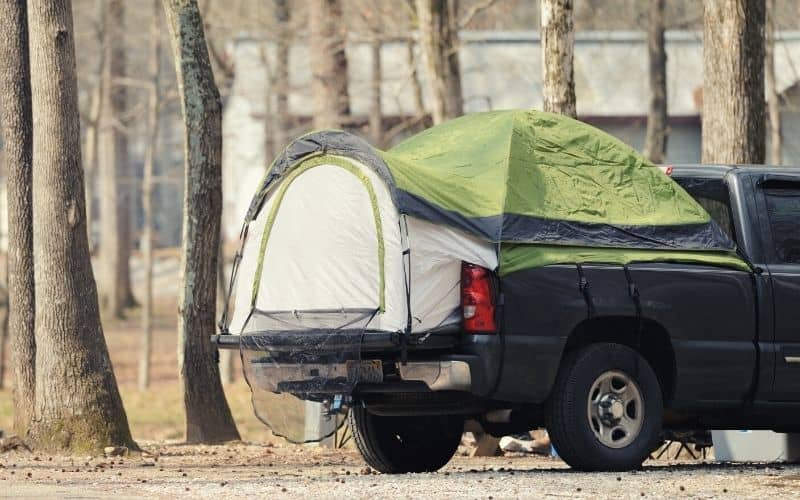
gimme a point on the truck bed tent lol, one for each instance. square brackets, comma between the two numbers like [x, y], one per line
[340, 234]
[339, 225]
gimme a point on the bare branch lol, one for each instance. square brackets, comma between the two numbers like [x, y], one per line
[474, 11]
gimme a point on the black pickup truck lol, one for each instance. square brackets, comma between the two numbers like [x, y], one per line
[605, 356]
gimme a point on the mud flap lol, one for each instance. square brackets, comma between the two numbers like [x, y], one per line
[302, 367]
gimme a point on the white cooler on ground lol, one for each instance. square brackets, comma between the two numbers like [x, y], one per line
[756, 446]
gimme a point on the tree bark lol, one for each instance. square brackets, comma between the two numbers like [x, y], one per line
[78, 406]
[208, 417]
[773, 101]
[17, 127]
[145, 354]
[326, 41]
[558, 40]
[655, 142]
[281, 120]
[438, 37]
[113, 165]
[733, 81]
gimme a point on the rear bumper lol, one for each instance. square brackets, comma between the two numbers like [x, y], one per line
[438, 375]
[442, 373]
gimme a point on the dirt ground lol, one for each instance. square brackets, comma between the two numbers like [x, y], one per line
[267, 467]
[256, 470]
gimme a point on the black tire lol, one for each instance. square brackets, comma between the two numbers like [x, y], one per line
[567, 412]
[396, 445]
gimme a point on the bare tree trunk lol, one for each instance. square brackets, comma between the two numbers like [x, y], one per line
[733, 81]
[438, 36]
[145, 354]
[113, 155]
[452, 66]
[17, 127]
[90, 152]
[78, 406]
[419, 105]
[90, 162]
[558, 40]
[326, 41]
[208, 417]
[281, 121]
[773, 102]
[375, 114]
[655, 142]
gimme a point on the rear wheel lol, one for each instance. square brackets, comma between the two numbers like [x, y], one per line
[395, 445]
[606, 409]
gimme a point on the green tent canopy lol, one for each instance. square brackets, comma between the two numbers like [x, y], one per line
[543, 187]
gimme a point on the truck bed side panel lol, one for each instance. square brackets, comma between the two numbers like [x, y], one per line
[708, 312]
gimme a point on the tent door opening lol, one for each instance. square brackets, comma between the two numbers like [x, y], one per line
[319, 284]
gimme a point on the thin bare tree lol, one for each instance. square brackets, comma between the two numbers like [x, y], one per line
[78, 406]
[558, 41]
[91, 148]
[375, 113]
[208, 417]
[411, 61]
[91, 122]
[17, 128]
[733, 81]
[281, 122]
[373, 15]
[655, 141]
[154, 59]
[115, 243]
[327, 38]
[773, 100]
[438, 26]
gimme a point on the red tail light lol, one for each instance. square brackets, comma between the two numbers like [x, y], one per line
[477, 299]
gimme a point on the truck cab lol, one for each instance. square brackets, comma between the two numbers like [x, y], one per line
[759, 207]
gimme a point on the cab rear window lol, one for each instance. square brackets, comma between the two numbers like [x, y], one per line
[713, 196]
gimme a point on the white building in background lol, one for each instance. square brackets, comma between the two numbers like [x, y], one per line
[500, 70]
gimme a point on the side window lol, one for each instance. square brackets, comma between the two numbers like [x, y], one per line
[783, 212]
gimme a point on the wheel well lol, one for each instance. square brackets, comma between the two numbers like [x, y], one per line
[653, 343]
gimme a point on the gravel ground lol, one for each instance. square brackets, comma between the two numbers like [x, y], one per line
[169, 471]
